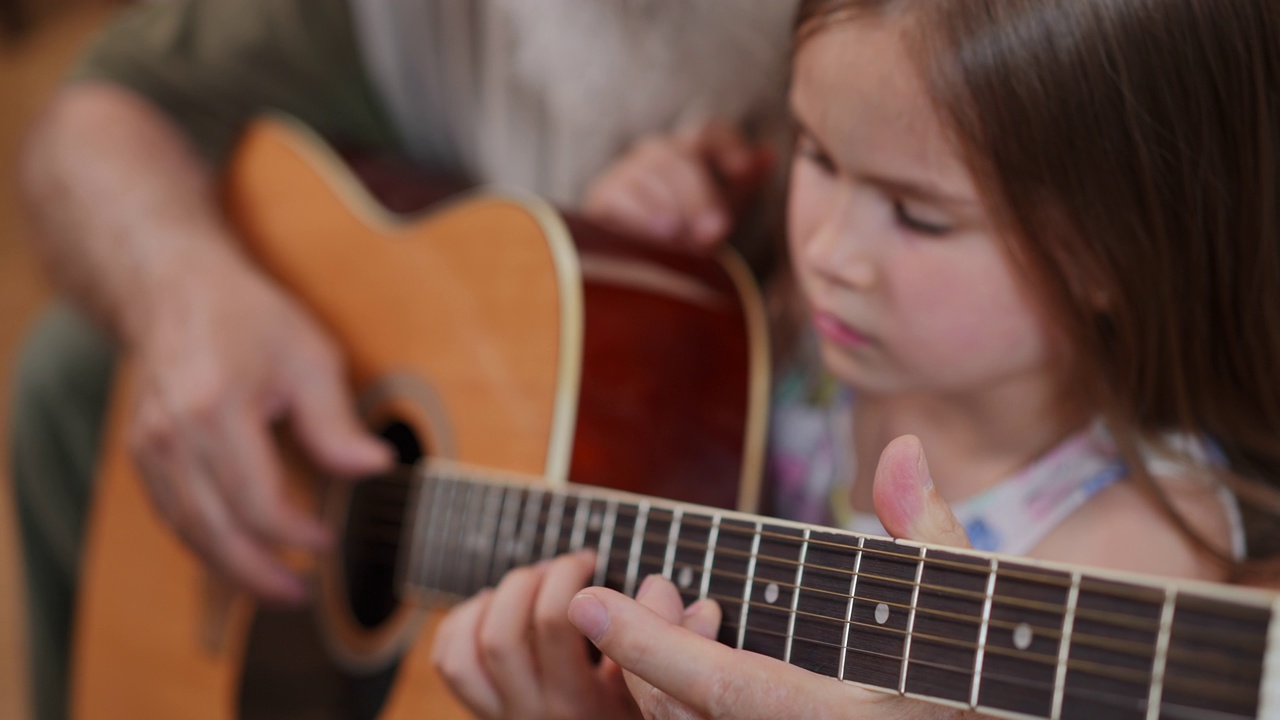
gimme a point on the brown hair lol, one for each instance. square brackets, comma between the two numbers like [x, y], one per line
[1131, 148]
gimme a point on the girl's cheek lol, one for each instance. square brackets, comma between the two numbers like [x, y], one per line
[806, 206]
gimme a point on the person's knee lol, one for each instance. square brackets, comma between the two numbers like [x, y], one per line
[60, 395]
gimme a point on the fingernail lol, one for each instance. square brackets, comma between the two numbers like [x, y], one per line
[709, 225]
[693, 609]
[922, 467]
[644, 586]
[589, 616]
[663, 225]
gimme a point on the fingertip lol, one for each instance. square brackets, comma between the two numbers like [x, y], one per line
[589, 615]
[710, 226]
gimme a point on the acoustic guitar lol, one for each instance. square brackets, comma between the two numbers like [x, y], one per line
[505, 350]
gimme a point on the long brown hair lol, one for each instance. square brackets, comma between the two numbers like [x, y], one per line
[1131, 149]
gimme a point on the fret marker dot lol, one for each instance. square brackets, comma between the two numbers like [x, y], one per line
[595, 521]
[685, 579]
[1022, 636]
[882, 613]
[771, 593]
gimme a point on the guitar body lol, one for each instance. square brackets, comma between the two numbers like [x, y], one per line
[489, 331]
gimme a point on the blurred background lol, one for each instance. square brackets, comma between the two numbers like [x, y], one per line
[38, 41]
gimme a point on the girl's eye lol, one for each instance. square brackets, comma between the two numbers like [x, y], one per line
[915, 223]
[808, 150]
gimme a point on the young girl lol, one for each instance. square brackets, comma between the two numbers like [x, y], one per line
[1042, 236]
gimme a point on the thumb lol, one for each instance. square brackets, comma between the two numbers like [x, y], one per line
[324, 421]
[906, 500]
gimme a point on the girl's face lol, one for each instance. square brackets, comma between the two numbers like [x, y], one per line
[909, 288]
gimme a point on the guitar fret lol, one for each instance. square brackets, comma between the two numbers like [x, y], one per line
[817, 629]
[637, 542]
[552, 535]
[911, 622]
[673, 540]
[488, 535]
[982, 633]
[606, 542]
[1064, 645]
[848, 613]
[433, 574]
[529, 529]
[878, 629]
[795, 597]
[580, 525]
[507, 528]
[1162, 654]
[412, 533]
[746, 591]
[456, 541]
[473, 541]
[689, 554]
[711, 549]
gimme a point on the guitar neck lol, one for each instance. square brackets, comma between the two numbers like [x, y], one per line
[967, 629]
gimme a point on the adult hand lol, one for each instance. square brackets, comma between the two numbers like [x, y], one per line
[229, 356]
[682, 189]
[675, 669]
[511, 652]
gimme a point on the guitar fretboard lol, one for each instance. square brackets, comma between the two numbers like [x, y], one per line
[954, 627]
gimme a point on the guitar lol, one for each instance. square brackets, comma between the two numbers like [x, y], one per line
[466, 358]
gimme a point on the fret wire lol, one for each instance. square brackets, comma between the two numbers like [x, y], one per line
[911, 623]
[1102, 616]
[1033, 576]
[746, 586]
[438, 566]
[673, 537]
[606, 540]
[550, 540]
[469, 539]
[488, 536]
[1162, 650]
[532, 514]
[507, 528]
[580, 525]
[795, 598]
[456, 541]
[1064, 645]
[713, 537]
[1127, 647]
[409, 558]
[637, 544]
[1082, 665]
[848, 612]
[1099, 615]
[982, 634]
[1105, 698]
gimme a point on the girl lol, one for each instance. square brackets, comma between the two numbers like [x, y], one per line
[1039, 235]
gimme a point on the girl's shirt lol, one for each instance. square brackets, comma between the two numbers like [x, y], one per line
[811, 461]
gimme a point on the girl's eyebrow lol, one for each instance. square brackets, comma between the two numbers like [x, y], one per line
[921, 190]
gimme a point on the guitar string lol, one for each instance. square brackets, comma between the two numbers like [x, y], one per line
[747, 533]
[1132, 649]
[1249, 642]
[1060, 580]
[1215, 691]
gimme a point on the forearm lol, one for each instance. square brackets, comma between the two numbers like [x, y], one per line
[123, 208]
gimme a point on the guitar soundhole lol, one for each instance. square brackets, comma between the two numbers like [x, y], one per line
[374, 524]
[287, 672]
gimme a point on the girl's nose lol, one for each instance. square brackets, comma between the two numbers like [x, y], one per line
[840, 249]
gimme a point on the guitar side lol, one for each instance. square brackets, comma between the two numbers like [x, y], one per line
[483, 331]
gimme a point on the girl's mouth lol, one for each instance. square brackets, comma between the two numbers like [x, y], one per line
[838, 332]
